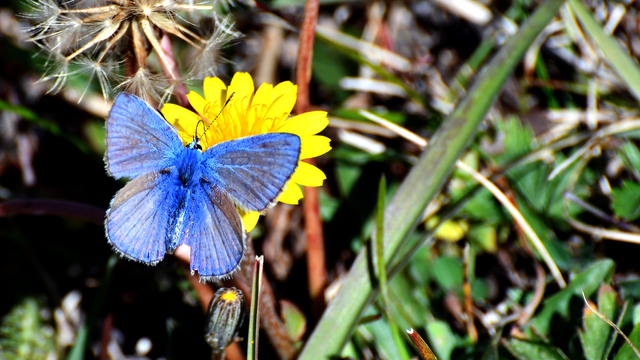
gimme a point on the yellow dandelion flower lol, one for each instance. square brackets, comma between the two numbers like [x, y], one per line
[250, 113]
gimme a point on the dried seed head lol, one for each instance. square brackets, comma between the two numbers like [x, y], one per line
[145, 84]
[92, 34]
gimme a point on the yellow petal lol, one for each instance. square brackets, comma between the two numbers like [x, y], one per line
[259, 106]
[308, 175]
[183, 120]
[314, 145]
[241, 85]
[214, 90]
[197, 102]
[309, 123]
[282, 101]
[235, 114]
[250, 219]
[291, 194]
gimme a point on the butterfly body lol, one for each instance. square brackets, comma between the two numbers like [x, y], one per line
[182, 195]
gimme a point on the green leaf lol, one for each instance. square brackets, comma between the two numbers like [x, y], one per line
[626, 200]
[294, 320]
[518, 139]
[631, 156]
[411, 305]
[441, 339]
[533, 350]
[484, 237]
[596, 336]
[588, 281]
[448, 272]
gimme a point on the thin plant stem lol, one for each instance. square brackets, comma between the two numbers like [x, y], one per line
[316, 257]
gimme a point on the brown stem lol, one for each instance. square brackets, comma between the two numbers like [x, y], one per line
[106, 336]
[53, 207]
[316, 258]
[180, 90]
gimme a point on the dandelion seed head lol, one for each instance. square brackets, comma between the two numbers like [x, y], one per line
[95, 31]
[207, 60]
[144, 84]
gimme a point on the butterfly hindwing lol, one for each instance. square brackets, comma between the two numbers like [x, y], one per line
[215, 233]
[139, 215]
[253, 170]
[139, 140]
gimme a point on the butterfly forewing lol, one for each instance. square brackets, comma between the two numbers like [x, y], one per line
[139, 140]
[253, 170]
[137, 220]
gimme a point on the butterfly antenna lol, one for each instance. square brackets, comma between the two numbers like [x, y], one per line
[214, 120]
[195, 136]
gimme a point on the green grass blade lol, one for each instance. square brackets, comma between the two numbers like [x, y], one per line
[254, 319]
[382, 271]
[619, 59]
[421, 185]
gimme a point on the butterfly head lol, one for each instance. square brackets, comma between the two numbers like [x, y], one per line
[195, 144]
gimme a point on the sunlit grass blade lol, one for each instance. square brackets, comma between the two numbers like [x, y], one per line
[254, 319]
[619, 59]
[421, 185]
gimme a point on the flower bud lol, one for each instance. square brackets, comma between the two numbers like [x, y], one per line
[226, 312]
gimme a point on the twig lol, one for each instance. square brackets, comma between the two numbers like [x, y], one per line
[179, 90]
[599, 213]
[71, 209]
[538, 294]
[604, 233]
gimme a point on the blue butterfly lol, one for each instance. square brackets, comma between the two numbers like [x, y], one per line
[181, 195]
